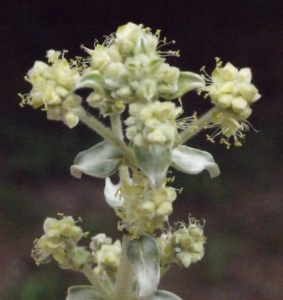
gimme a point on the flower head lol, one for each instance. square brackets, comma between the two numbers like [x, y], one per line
[105, 253]
[60, 237]
[183, 245]
[232, 93]
[153, 123]
[53, 86]
[129, 68]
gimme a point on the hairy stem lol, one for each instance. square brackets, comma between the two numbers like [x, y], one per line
[196, 127]
[108, 135]
[124, 279]
[116, 125]
[96, 282]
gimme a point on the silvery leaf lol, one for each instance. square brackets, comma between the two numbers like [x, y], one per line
[101, 161]
[187, 81]
[154, 162]
[83, 292]
[193, 161]
[164, 295]
[143, 253]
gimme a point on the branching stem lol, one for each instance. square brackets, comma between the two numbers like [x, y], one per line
[196, 127]
[107, 134]
[116, 125]
[124, 279]
[95, 281]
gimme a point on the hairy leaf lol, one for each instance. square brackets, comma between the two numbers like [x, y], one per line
[187, 81]
[164, 295]
[143, 253]
[101, 161]
[154, 162]
[83, 292]
[193, 161]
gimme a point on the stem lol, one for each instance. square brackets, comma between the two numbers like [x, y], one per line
[196, 127]
[107, 134]
[95, 281]
[118, 131]
[125, 274]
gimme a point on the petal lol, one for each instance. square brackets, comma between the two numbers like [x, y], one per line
[110, 193]
[193, 161]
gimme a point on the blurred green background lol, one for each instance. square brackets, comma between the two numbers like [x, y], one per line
[243, 207]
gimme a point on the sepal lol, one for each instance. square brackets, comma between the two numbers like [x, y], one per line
[101, 161]
[143, 253]
[193, 161]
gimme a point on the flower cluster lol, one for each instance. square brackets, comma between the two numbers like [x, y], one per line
[53, 86]
[129, 68]
[152, 123]
[232, 93]
[183, 246]
[144, 208]
[105, 254]
[59, 240]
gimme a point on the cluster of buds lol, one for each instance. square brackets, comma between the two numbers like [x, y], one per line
[128, 68]
[153, 123]
[183, 245]
[232, 93]
[60, 240]
[105, 253]
[53, 86]
[145, 209]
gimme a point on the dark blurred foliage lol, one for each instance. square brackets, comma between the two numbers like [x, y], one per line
[243, 207]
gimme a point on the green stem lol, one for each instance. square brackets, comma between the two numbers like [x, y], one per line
[196, 127]
[96, 282]
[108, 135]
[125, 275]
[116, 125]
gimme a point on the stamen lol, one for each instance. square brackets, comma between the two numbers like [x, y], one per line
[109, 39]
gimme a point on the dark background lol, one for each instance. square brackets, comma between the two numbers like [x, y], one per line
[243, 207]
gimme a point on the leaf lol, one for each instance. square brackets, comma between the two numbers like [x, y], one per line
[187, 81]
[101, 161]
[154, 162]
[83, 292]
[164, 295]
[143, 253]
[93, 80]
[110, 193]
[193, 161]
